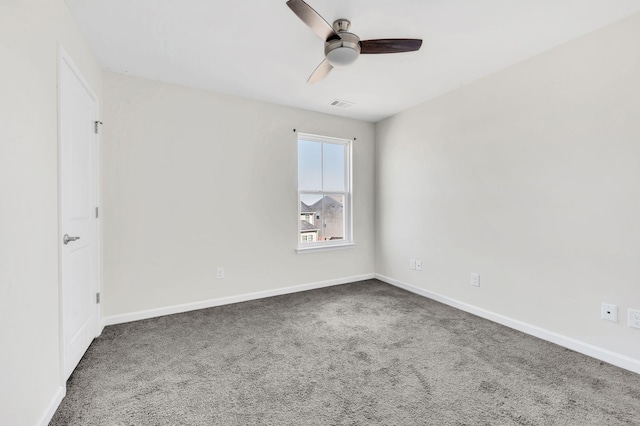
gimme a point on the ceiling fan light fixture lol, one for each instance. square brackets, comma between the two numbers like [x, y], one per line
[343, 56]
[344, 51]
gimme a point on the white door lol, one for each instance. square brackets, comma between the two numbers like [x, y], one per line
[78, 221]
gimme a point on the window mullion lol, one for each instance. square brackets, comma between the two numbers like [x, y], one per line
[323, 225]
[322, 167]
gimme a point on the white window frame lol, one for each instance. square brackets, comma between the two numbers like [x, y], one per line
[347, 242]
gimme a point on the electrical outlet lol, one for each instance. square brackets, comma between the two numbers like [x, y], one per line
[220, 273]
[412, 264]
[609, 312]
[475, 280]
[634, 318]
[418, 265]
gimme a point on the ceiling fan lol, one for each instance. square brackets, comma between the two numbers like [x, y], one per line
[342, 48]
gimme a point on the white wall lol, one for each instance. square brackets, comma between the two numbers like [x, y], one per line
[29, 336]
[530, 177]
[194, 180]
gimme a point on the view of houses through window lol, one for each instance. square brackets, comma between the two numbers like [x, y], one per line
[323, 190]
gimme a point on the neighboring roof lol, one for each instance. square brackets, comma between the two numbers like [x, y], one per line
[306, 226]
[328, 200]
[305, 208]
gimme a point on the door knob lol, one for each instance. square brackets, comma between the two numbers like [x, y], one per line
[67, 238]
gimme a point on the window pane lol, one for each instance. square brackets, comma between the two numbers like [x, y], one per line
[309, 165]
[332, 217]
[310, 218]
[333, 164]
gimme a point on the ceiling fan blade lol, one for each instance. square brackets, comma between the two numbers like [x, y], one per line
[390, 45]
[320, 72]
[313, 20]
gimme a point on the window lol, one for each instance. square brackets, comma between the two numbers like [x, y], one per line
[324, 192]
[308, 237]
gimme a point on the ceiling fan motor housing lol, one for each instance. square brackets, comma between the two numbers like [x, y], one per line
[344, 51]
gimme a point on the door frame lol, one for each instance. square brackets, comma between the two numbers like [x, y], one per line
[65, 59]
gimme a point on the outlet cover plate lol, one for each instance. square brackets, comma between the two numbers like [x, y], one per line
[418, 265]
[634, 318]
[610, 312]
[475, 280]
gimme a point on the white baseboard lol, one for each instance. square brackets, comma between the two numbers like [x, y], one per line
[616, 359]
[186, 307]
[53, 406]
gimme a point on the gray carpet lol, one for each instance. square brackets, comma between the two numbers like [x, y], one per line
[358, 354]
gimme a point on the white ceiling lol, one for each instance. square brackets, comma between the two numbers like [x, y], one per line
[261, 50]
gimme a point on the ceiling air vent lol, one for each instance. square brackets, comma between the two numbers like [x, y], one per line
[340, 104]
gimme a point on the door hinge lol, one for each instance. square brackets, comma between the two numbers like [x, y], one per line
[97, 298]
[97, 213]
[96, 124]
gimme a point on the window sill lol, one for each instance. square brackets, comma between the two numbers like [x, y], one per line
[305, 250]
